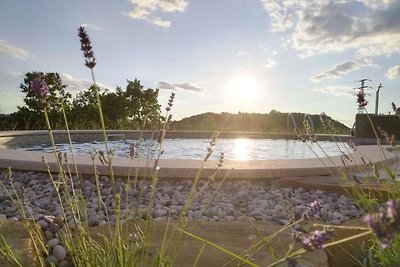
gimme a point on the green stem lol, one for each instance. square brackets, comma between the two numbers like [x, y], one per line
[218, 247]
[103, 127]
[301, 251]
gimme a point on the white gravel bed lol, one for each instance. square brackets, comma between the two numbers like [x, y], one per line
[234, 200]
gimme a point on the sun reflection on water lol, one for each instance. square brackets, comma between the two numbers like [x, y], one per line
[242, 148]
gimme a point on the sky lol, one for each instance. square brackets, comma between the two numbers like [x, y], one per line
[216, 55]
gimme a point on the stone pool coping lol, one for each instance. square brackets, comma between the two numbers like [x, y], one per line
[14, 139]
[170, 168]
[176, 168]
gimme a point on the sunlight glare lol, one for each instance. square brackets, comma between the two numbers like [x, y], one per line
[243, 87]
[241, 148]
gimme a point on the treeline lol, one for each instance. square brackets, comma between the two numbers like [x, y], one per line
[130, 108]
[274, 122]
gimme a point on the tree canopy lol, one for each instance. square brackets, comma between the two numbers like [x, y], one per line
[131, 108]
[272, 122]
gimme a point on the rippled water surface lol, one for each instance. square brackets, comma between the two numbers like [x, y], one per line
[236, 149]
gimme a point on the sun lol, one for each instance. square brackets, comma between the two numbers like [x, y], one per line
[243, 87]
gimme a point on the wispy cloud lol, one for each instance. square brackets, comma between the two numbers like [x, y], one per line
[145, 9]
[393, 72]
[4, 95]
[91, 26]
[13, 51]
[77, 84]
[282, 13]
[15, 74]
[185, 86]
[372, 27]
[242, 53]
[270, 63]
[342, 69]
[336, 90]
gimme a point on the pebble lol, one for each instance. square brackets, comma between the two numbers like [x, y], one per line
[43, 224]
[59, 252]
[52, 242]
[50, 260]
[65, 264]
[235, 200]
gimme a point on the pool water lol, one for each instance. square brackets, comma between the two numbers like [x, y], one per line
[234, 149]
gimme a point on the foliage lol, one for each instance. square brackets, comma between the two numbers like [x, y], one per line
[385, 257]
[27, 116]
[132, 108]
[274, 122]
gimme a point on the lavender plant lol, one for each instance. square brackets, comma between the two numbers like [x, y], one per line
[120, 245]
[385, 223]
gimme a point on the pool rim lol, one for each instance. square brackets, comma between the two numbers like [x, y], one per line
[183, 168]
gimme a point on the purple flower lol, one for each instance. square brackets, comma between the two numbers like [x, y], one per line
[313, 210]
[87, 48]
[385, 223]
[316, 239]
[170, 102]
[40, 88]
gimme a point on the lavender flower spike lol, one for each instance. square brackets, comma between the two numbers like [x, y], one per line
[316, 240]
[385, 223]
[315, 208]
[40, 88]
[87, 48]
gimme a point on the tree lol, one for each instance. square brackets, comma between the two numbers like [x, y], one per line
[133, 108]
[115, 109]
[142, 105]
[30, 116]
[130, 109]
[84, 113]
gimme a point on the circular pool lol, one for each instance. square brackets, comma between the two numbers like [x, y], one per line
[233, 148]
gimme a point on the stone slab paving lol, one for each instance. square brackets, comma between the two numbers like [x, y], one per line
[233, 236]
[333, 184]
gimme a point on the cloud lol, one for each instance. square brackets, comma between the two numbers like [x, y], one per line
[393, 72]
[371, 27]
[15, 74]
[342, 69]
[91, 26]
[242, 53]
[144, 9]
[13, 51]
[76, 84]
[185, 86]
[336, 90]
[270, 63]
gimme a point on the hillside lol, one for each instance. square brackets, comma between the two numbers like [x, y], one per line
[274, 122]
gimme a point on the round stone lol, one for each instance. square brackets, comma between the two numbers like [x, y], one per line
[51, 261]
[54, 228]
[49, 235]
[52, 242]
[44, 202]
[65, 263]
[159, 213]
[59, 252]
[43, 224]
